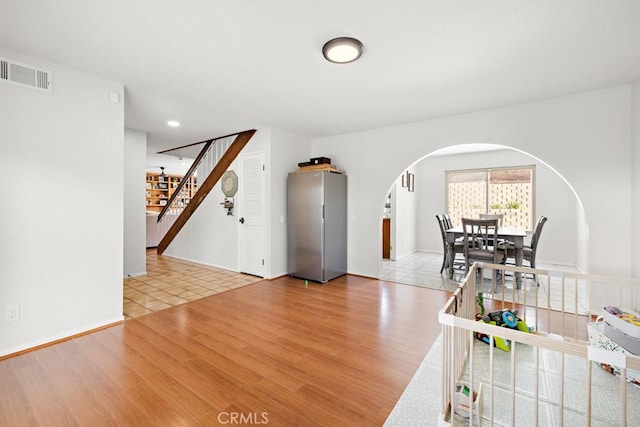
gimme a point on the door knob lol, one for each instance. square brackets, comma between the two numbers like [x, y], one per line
[241, 220]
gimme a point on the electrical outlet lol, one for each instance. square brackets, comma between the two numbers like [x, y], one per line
[12, 313]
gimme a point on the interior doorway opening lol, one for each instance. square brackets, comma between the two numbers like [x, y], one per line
[416, 237]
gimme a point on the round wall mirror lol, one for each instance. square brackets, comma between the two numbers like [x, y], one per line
[229, 183]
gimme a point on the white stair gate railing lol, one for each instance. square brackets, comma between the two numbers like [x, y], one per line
[533, 382]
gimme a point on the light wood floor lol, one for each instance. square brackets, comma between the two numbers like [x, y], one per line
[275, 352]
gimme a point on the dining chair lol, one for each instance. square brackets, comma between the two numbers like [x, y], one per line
[447, 220]
[482, 232]
[458, 247]
[528, 251]
[499, 217]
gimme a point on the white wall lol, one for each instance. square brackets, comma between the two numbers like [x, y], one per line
[135, 153]
[404, 221]
[61, 257]
[393, 212]
[585, 137]
[553, 199]
[287, 150]
[635, 167]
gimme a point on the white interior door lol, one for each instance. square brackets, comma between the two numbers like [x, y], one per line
[251, 189]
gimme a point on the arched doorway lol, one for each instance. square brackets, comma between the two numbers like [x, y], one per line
[563, 245]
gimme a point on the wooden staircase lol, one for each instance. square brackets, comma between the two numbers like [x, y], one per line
[214, 159]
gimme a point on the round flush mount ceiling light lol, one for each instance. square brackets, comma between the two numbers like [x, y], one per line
[342, 50]
[173, 123]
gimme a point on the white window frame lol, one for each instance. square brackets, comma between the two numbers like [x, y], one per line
[512, 217]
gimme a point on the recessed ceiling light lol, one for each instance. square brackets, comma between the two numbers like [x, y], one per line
[173, 123]
[342, 50]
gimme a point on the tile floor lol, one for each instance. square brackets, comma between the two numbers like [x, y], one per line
[419, 269]
[423, 269]
[170, 281]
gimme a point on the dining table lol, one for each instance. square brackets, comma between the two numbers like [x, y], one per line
[514, 235]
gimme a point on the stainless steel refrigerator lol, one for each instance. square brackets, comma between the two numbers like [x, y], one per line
[317, 225]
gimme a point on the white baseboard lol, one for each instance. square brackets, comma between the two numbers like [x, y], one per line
[202, 263]
[60, 337]
[143, 273]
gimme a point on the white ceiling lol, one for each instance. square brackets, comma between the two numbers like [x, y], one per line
[221, 66]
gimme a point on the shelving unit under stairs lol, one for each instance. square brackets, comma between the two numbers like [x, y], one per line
[161, 187]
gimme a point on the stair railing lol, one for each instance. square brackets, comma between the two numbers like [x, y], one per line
[210, 156]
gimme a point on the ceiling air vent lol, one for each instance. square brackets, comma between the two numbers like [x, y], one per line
[24, 75]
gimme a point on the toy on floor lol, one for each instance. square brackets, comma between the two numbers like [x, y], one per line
[504, 318]
[480, 301]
